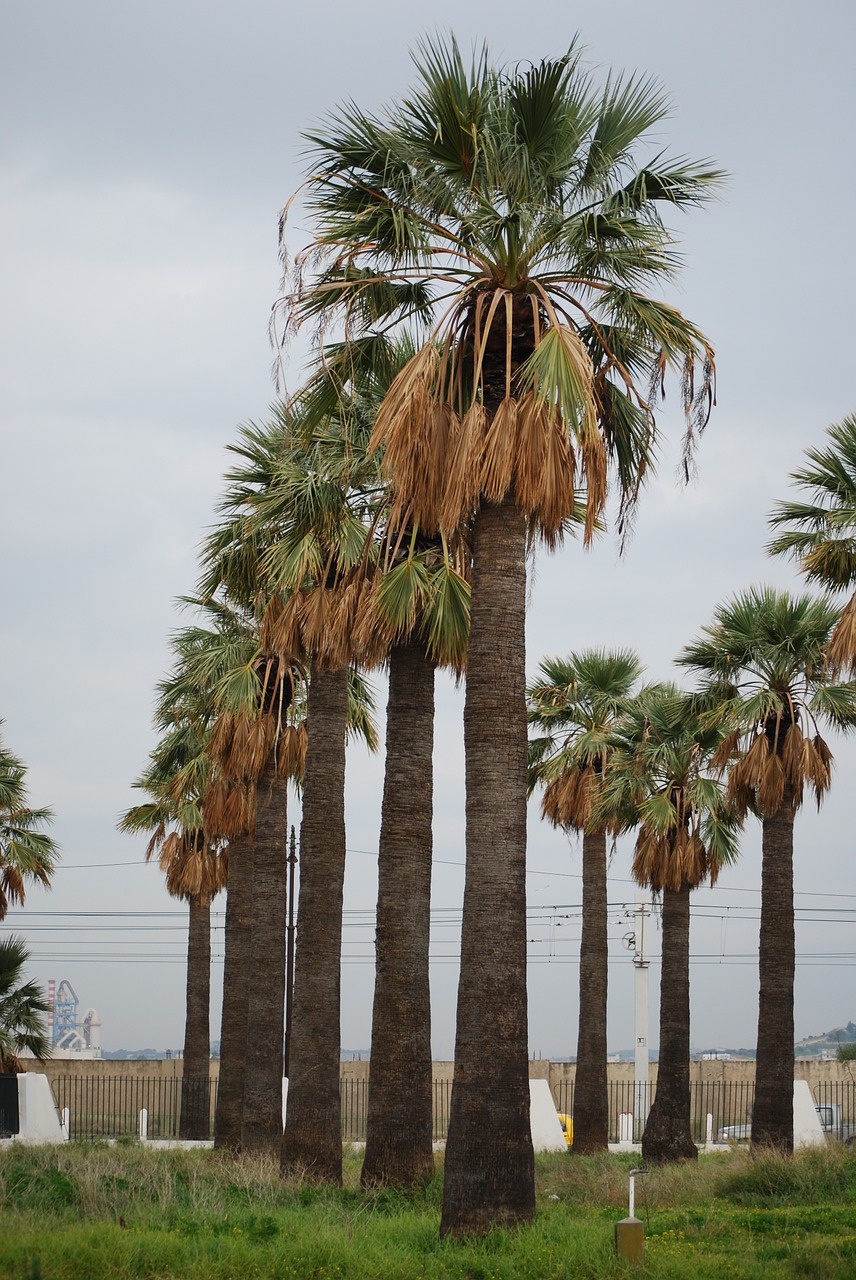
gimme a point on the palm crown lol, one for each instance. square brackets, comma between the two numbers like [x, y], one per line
[26, 851]
[501, 213]
[578, 700]
[662, 780]
[764, 662]
[820, 533]
[23, 1009]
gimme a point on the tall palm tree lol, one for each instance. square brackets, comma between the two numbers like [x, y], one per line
[303, 540]
[663, 781]
[194, 864]
[224, 641]
[820, 533]
[27, 852]
[419, 605]
[764, 660]
[507, 203]
[424, 596]
[577, 701]
[23, 1009]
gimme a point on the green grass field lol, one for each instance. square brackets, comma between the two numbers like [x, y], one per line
[86, 1211]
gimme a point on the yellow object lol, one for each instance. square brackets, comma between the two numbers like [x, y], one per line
[630, 1240]
[567, 1123]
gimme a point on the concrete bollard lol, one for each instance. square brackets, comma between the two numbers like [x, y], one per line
[630, 1231]
[630, 1240]
[144, 1123]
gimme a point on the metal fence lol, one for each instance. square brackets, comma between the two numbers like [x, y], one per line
[726, 1102]
[109, 1107]
[842, 1092]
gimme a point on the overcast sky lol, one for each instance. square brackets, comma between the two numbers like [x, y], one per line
[147, 151]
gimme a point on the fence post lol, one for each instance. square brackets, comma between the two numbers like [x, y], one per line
[144, 1123]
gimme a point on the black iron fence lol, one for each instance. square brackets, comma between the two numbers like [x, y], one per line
[714, 1105]
[122, 1106]
[111, 1106]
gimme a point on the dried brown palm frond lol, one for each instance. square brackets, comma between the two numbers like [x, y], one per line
[779, 764]
[499, 454]
[648, 858]
[281, 630]
[413, 436]
[241, 744]
[842, 642]
[568, 799]
[462, 480]
[793, 752]
[12, 888]
[594, 471]
[227, 810]
[727, 750]
[762, 775]
[545, 468]
[675, 861]
[291, 750]
[277, 680]
[372, 634]
[190, 865]
[325, 621]
[818, 766]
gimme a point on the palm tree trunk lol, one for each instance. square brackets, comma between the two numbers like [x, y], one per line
[236, 967]
[773, 1111]
[399, 1124]
[668, 1132]
[591, 1094]
[194, 1120]
[261, 1129]
[312, 1143]
[489, 1157]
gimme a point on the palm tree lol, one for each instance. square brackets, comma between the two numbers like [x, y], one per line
[425, 598]
[296, 541]
[764, 660]
[419, 604]
[820, 533]
[506, 202]
[23, 1010]
[194, 863]
[578, 701]
[205, 656]
[662, 779]
[27, 853]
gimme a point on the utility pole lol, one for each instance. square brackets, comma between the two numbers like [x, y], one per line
[289, 951]
[641, 962]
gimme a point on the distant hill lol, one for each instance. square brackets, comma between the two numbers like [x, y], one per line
[826, 1043]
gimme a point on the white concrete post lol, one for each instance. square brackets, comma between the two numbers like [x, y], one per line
[144, 1123]
[641, 963]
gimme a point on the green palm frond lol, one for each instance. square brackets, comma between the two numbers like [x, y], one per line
[821, 534]
[361, 708]
[27, 852]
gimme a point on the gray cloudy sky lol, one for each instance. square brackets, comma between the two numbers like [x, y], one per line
[147, 152]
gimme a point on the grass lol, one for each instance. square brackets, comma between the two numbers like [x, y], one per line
[87, 1211]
